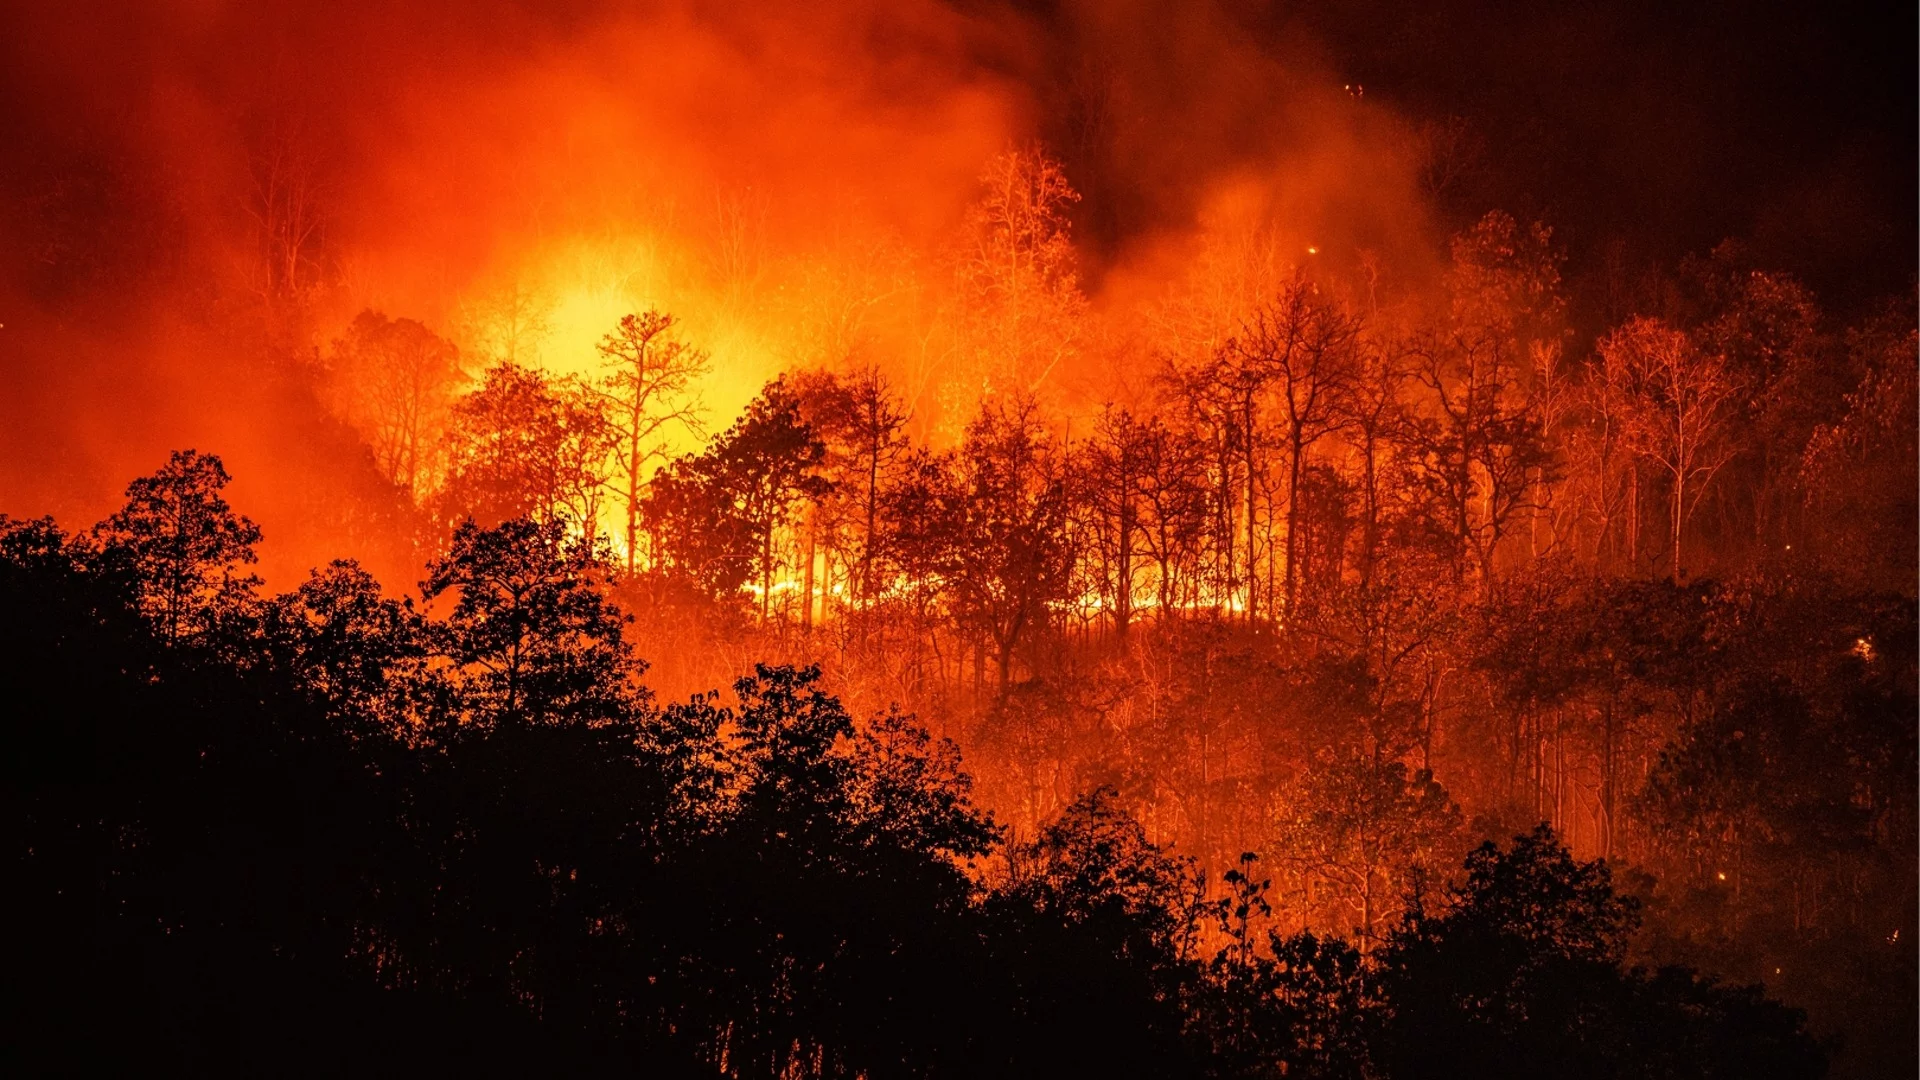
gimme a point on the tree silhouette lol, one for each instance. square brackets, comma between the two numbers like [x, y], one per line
[361, 655]
[183, 545]
[532, 635]
[1016, 272]
[378, 836]
[1301, 346]
[649, 390]
[861, 424]
[1681, 407]
[1521, 972]
[989, 526]
[717, 516]
[1356, 833]
[1116, 461]
[396, 379]
[520, 446]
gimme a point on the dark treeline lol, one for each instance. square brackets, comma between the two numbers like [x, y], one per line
[330, 830]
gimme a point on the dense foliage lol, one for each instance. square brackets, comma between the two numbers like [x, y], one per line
[332, 831]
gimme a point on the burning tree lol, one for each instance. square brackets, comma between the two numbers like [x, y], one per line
[988, 526]
[1681, 404]
[1020, 291]
[1214, 406]
[1482, 443]
[648, 391]
[505, 325]
[1600, 447]
[1175, 511]
[288, 206]
[1377, 426]
[1481, 450]
[1355, 833]
[862, 425]
[716, 517]
[1115, 465]
[1301, 347]
[1859, 471]
[396, 379]
[524, 446]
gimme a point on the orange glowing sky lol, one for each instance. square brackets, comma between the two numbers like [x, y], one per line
[789, 181]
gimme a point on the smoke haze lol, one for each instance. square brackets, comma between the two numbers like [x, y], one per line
[790, 183]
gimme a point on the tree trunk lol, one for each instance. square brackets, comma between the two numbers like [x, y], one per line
[1253, 574]
[1226, 529]
[766, 573]
[873, 512]
[1293, 525]
[1633, 522]
[1606, 778]
[633, 489]
[1370, 530]
[806, 586]
[1679, 504]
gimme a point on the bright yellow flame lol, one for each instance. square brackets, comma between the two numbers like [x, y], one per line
[581, 317]
[569, 294]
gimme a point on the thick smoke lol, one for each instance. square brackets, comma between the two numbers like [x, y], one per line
[198, 197]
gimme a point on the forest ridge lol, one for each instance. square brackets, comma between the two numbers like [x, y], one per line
[1360, 671]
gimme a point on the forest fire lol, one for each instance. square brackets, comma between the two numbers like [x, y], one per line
[952, 539]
